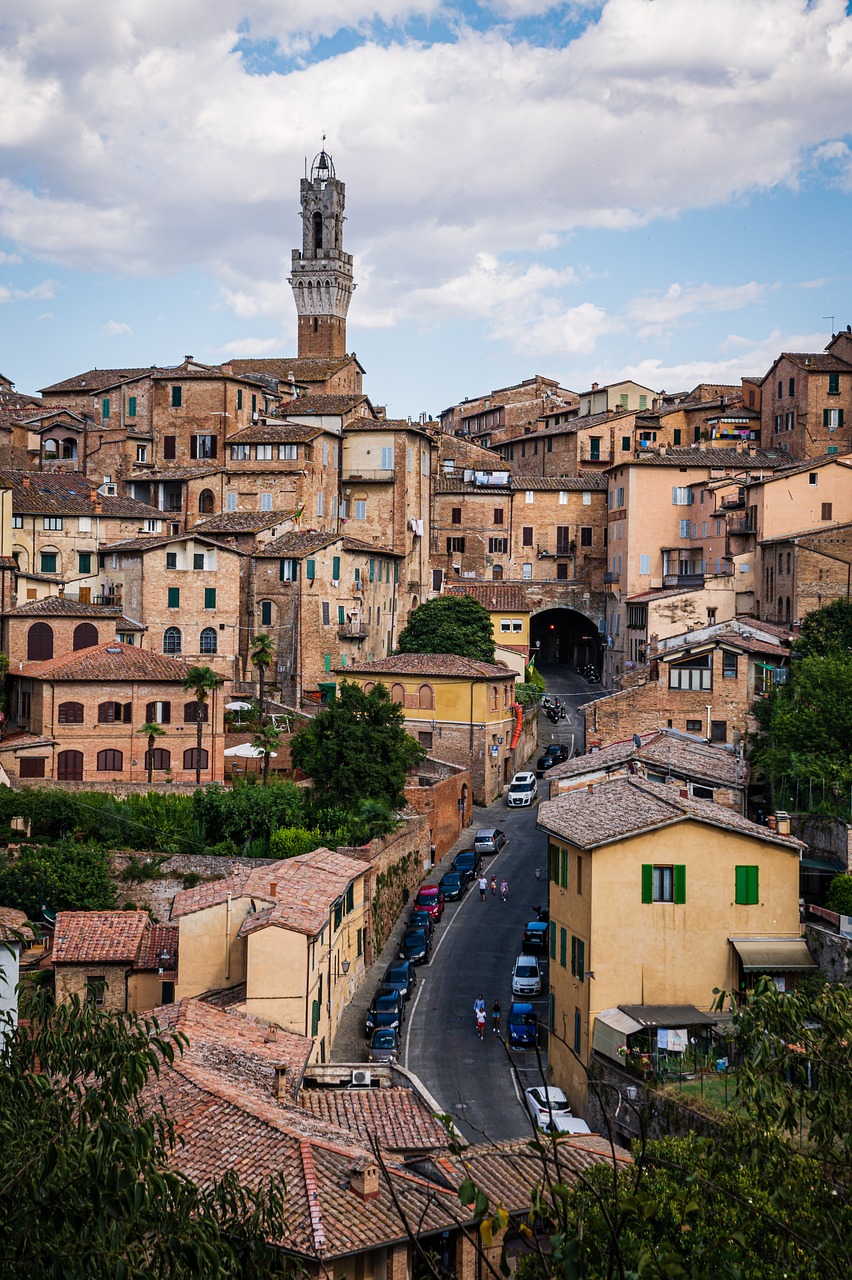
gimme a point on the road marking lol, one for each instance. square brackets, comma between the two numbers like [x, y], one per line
[409, 1020]
[515, 1087]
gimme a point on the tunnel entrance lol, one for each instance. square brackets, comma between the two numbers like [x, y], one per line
[566, 637]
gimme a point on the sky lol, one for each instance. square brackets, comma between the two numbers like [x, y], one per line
[655, 189]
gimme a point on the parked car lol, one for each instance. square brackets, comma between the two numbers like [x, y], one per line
[468, 863]
[523, 789]
[523, 1026]
[489, 840]
[385, 1011]
[452, 885]
[402, 976]
[415, 946]
[430, 898]
[384, 1045]
[421, 920]
[555, 754]
[535, 938]
[550, 1111]
[526, 977]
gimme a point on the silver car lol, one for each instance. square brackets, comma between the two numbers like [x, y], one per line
[489, 840]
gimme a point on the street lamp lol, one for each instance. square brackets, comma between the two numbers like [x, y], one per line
[538, 873]
[345, 967]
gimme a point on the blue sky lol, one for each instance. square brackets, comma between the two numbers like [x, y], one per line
[647, 188]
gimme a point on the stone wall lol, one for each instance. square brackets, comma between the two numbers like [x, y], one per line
[651, 1112]
[156, 895]
[442, 794]
[826, 838]
[399, 863]
[70, 980]
[832, 953]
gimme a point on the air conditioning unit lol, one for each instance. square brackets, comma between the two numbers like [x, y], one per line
[362, 1077]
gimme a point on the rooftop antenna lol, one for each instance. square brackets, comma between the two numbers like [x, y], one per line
[831, 318]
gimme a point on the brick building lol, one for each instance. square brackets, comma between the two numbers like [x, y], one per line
[77, 718]
[55, 626]
[116, 960]
[803, 571]
[506, 412]
[806, 401]
[563, 444]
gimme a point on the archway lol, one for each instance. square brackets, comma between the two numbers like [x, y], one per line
[565, 637]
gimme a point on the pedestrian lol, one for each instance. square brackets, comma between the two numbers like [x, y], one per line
[480, 1023]
[478, 1009]
[493, 885]
[432, 852]
[483, 885]
[495, 1018]
[504, 889]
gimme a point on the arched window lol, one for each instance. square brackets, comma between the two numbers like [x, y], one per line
[369, 686]
[493, 697]
[162, 758]
[172, 640]
[787, 610]
[51, 448]
[40, 642]
[397, 693]
[85, 636]
[70, 713]
[21, 557]
[110, 761]
[780, 608]
[266, 608]
[426, 697]
[206, 502]
[209, 642]
[190, 712]
[789, 561]
[780, 563]
[189, 758]
[114, 713]
[497, 572]
[69, 448]
[158, 713]
[317, 231]
[69, 766]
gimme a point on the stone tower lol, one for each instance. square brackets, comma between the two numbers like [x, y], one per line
[322, 273]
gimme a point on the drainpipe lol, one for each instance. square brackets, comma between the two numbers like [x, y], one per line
[228, 940]
[708, 709]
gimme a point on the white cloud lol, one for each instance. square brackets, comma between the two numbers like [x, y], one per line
[248, 347]
[116, 329]
[653, 314]
[46, 289]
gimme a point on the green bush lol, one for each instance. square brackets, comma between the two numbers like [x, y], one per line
[289, 842]
[527, 694]
[840, 895]
[534, 677]
[63, 877]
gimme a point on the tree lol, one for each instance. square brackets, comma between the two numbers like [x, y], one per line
[839, 896]
[357, 749]
[64, 877]
[826, 631]
[262, 657]
[266, 740]
[151, 731]
[450, 624]
[86, 1187]
[201, 681]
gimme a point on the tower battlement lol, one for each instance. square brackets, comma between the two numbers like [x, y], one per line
[321, 273]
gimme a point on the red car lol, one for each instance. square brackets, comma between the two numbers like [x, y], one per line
[431, 899]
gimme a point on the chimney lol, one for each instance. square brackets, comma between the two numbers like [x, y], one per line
[273, 888]
[364, 1179]
[93, 495]
[594, 386]
[782, 822]
[772, 822]
[281, 1082]
[25, 482]
[271, 1034]
[187, 359]
[98, 507]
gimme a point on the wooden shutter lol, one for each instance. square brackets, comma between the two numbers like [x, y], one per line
[563, 947]
[573, 954]
[170, 447]
[214, 446]
[552, 940]
[746, 886]
[647, 882]
[335, 568]
[581, 959]
[193, 446]
[311, 570]
[680, 883]
[564, 876]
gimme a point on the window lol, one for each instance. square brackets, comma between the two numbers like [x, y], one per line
[663, 884]
[204, 446]
[171, 559]
[31, 768]
[239, 397]
[52, 522]
[455, 515]
[360, 509]
[105, 409]
[386, 463]
[110, 761]
[578, 1031]
[585, 535]
[173, 601]
[526, 571]
[676, 436]
[834, 384]
[729, 666]
[40, 642]
[114, 713]
[578, 958]
[813, 478]
[692, 726]
[694, 673]
[190, 712]
[18, 522]
[85, 636]
[172, 640]
[685, 528]
[579, 875]
[95, 989]
[498, 515]
[69, 766]
[266, 613]
[562, 573]
[263, 453]
[746, 893]
[177, 397]
[424, 737]
[563, 947]
[625, 444]
[70, 713]
[320, 504]
[529, 496]
[326, 613]
[84, 562]
[526, 535]
[162, 759]
[209, 640]
[209, 597]
[681, 497]
[644, 565]
[141, 453]
[552, 940]
[266, 502]
[587, 498]
[287, 570]
[240, 452]
[832, 418]
[193, 759]
[397, 693]
[170, 447]
[498, 546]
[826, 511]
[335, 569]
[310, 570]
[198, 559]
[718, 731]
[230, 502]
[288, 452]
[158, 713]
[455, 544]
[426, 697]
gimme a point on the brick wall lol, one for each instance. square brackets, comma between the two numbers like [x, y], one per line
[442, 794]
[70, 980]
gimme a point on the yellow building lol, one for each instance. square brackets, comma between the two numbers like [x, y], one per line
[461, 711]
[509, 610]
[294, 933]
[655, 900]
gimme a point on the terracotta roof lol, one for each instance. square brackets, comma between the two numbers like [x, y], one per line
[23, 741]
[732, 459]
[94, 380]
[150, 540]
[306, 369]
[497, 597]
[13, 926]
[389, 424]
[814, 362]
[270, 432]
[183, 473]
[242, 521]
[661, 593]
[113, 661]
[64, 607]
[297, 543]
[159, 948]
[317, 405]
[812, 464]
[370, 548]
[588, 482]
[396, 1118]
[432, 664]
[621, 807]
[457, 484]
[678, 754]
[68, 493]
[824, 533]
[307, 887]
[98, 937]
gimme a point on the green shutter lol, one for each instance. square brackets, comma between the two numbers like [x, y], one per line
[350, 899]
[209, 597]
[581, 960]
[680, 883]
[553, 853]
[105, 409]
[326, 662]
[578, 1031]
[335, 568]
[338, 915]
[747, 893]
[239, 397]
[177, 397]
[315, 1017]
[311, 570]
[647, 882]
[131, 406]
[563, 947]
[825, 417]
[840, 417]
[357, 573]
[359, 950]
[564, 878]
[396, 573]
[573, 954]
[372, 570]
[174, 597]
[341, 615]
[552, 940]
[85, 562]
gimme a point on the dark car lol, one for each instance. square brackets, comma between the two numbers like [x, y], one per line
[385, 1011]
[421, 920]
[430, 899]
[384, 1045]
[401, 976]
[453, 885]
[555, 754]
[535, 938]
[489, 840]
[415, 946]
[523, 1026]
[468, 864]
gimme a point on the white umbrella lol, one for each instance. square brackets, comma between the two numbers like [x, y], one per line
[248, 752]
[238, 706]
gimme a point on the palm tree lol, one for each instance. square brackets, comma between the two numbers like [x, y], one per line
[262, 656]
[200, 681]
[266, 740]
[152, 731]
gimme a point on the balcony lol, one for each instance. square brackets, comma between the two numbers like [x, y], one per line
[366, 474]
[610, 578]
[354, 630]
[742, 525]
[689, 580]
[593, 455]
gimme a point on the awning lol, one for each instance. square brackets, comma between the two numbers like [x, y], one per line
[669, 1016]
[768, 955]
[610, 1032]
[247, 752]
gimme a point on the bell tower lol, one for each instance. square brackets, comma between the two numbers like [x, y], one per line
[321, 276]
